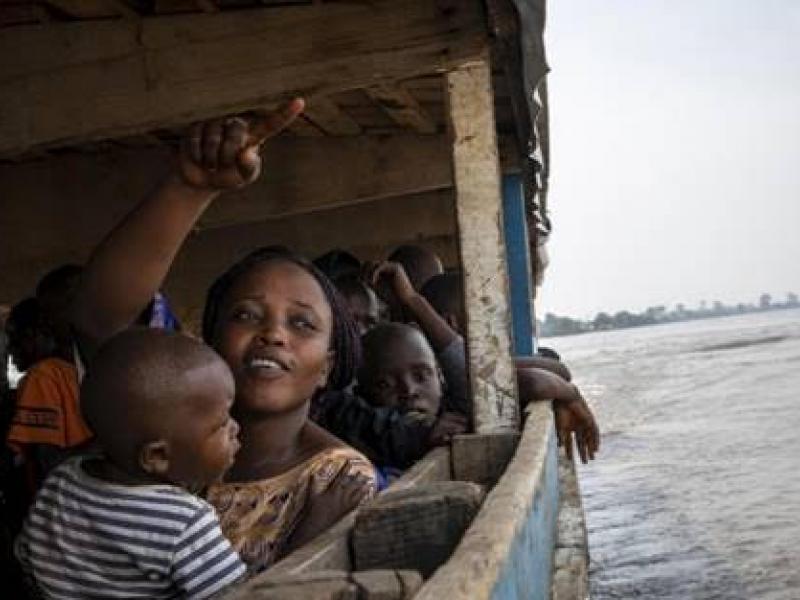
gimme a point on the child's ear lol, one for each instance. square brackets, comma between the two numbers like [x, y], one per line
[154, 458]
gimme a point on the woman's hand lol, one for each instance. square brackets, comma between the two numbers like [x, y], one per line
[343, 494]
[223, 154]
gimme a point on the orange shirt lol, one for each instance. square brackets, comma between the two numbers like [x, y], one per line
[47, 410]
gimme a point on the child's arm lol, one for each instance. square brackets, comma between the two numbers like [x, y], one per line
[435, 328]
[572, 414]
[128, 267]
[546, 363]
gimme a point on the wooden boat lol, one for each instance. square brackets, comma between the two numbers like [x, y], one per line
[435, 110]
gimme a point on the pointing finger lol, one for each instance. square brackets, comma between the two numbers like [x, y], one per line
[268, 124]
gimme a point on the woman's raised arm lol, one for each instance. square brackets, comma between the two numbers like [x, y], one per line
[130, 264]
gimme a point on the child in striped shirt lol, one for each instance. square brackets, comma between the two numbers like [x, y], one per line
[124, 524]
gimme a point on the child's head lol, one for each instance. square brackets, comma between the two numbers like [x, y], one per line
[420, 264]
[55, 293]
[361, 301]
[30, 339]
[338, 263]
[159, 404]
[283, 329]
[400, 370]
[445, 294]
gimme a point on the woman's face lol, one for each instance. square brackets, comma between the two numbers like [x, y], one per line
[274, 332]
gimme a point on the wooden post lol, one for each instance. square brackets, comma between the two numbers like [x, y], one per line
[476, 173]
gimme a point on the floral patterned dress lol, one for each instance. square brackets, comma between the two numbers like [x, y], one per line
[258, 516]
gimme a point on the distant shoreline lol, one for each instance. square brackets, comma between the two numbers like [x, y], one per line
[555, 326]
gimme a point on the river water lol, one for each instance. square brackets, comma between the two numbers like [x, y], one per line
[696, 491]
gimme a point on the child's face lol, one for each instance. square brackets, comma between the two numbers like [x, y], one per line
[203, 442]
[275, 333]
[407, 376]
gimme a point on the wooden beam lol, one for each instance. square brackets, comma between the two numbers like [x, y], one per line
[306, 175]
[19, 14]
[327, 116]
[476, 171]
[402, 107]
[171, 7]
[93, 9]
[71, 82]
[207, 6]
[302, 127]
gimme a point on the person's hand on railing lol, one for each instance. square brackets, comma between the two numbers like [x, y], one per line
[574, 419]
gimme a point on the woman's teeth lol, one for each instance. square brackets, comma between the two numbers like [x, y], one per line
[265, 363]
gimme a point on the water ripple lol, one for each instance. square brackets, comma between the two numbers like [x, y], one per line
[696, 491]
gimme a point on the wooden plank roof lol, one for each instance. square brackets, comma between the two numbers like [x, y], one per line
[75, 72]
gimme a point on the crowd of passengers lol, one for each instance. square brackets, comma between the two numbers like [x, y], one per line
[143, 462]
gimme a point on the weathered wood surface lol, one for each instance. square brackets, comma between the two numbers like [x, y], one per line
[330, 118]
[482, 458]
[331, 585]
[497, 551]
[320, 585]
[435, 466]
[72, 82]
[387, 584]
[415, 528]
[93, 9]
[402, 107]
[302, 176]
[476, 171]
[571, 558]
[331, 550]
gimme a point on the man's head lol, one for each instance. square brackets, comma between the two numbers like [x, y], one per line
[400, 370]
[445, 293]
[338, 263]
[55, 293]
[30, 339]
[419, 263]
[159, 403]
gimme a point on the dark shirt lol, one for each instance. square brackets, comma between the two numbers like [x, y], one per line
[386, 436]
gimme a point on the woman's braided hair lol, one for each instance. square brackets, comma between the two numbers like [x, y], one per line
[344, 334]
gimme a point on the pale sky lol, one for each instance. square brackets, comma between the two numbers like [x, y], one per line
[675, 140]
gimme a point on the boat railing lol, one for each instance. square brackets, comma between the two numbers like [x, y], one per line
[527, 539]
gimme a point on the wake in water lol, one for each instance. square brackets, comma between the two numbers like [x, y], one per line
[744, 343]
[695, 493]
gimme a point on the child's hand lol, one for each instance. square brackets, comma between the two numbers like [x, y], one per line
[575, 417]
[223, 153]
[448, 425]
[394, 274]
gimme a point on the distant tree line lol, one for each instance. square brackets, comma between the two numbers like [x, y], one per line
[653, 315]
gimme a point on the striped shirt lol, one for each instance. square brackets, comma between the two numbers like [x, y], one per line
[87, 538]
